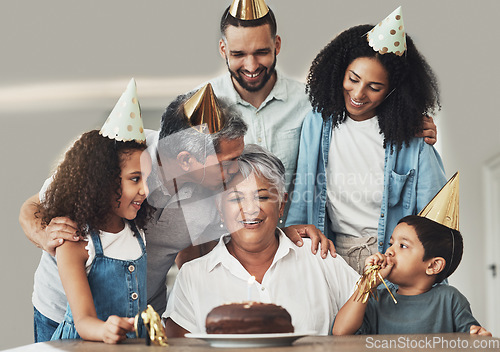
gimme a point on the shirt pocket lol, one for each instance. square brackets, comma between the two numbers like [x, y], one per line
[400, 188]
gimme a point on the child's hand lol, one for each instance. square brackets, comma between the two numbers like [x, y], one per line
[381, 260]
[376, 259]
[116, 328]
[479, 330]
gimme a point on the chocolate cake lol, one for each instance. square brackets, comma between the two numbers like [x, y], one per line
[248, 318]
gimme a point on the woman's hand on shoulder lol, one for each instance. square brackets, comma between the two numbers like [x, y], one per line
[115, 329]
[296, 232]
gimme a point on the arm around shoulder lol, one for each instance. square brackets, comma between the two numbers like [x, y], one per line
[30, 224]
[50, 237]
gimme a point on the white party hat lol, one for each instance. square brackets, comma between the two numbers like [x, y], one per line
[389, 35]
[124, 123]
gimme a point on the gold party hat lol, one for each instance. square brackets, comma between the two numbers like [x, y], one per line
[443, 208]
[248, 9]
[124, 123]
[202, 110]
[389, 35]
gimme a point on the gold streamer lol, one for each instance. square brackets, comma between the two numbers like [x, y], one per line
[152, 323]
[367, 285]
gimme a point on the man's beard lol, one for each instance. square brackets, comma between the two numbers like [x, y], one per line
[268, 73]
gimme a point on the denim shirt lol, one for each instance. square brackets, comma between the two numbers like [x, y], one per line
[412, 177]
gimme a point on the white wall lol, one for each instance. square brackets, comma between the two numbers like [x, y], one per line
[65, 63]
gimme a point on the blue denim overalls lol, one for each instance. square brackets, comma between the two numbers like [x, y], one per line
[118, 287]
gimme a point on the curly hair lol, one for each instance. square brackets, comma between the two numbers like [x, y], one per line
[412, 82]
[87, 182]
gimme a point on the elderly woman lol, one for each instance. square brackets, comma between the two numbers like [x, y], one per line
[312, 289]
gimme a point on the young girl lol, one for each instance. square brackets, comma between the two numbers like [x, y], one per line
[101, 186]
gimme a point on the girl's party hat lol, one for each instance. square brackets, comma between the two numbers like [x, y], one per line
[124, 123]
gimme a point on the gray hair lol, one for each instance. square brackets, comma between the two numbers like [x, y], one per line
[176, 135]
[262, 162]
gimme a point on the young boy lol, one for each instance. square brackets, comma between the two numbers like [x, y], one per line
[422, 253]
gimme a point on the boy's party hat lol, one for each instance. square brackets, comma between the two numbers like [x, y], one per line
[443, 208]
[248, 9]
[203, 112]
[124, 123]
[389, 35]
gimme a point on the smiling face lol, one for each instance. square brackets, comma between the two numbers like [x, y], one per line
[218, 169]
[250, 54]
[250, 209]
[406, 253]
[135, 169]
[366, 85]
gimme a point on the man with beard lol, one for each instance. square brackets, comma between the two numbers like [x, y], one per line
[272, 105]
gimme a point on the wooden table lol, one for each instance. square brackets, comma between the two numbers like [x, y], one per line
[422, 343]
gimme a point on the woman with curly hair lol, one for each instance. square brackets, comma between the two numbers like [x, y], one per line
[360, 166]
[101, 186]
